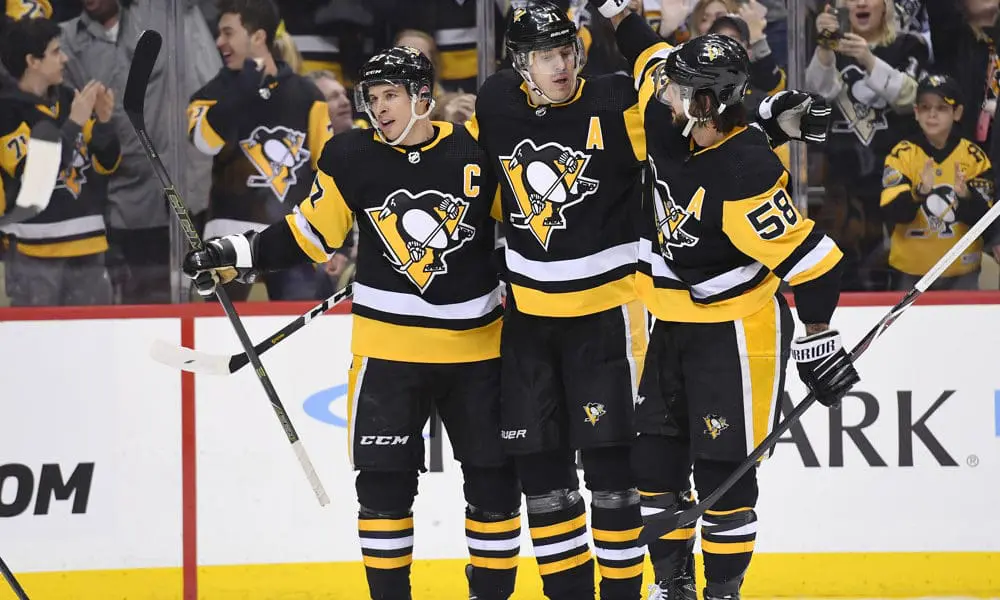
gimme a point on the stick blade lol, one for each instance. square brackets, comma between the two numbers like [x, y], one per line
[147, 49]
[186, 359]
[658, 526]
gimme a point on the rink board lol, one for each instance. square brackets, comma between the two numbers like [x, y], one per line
[193, 491]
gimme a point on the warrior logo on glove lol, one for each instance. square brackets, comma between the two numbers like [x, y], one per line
[277, 154]
[419, 231]
[546, 181]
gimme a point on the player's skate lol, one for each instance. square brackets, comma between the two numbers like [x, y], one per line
[679, 588]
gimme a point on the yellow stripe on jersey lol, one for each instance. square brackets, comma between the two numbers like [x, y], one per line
[387, 341]
[472, 126]
[323, 220]
[646, 57]
[13, 148]
[88, 134]
[3, 198]
[574, 304]
[200, 131]
[768, 228]
[677, 305]
[84, 247]
[320, 131]
[496, 210]
[636, 130]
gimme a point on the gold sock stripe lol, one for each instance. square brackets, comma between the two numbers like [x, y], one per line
[719, 513]
[385, 524]
[565, 564]
[508, 526]
[679, 534]
[726, 548]
[499, 564]
[607, 535]
[377, 562]
[559, 528]
[621, 572]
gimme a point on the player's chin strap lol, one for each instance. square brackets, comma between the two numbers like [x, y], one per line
[691, 119]
[414, 117]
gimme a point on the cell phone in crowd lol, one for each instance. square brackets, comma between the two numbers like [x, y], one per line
[844, 20]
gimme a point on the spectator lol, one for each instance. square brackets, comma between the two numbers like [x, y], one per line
[454, 107]
[100, 44]
[266, 127]
[936, 185]
[58, 255]
[342, 119]
[706, 12]
[869, 75]
[776, 30]
[964, 35]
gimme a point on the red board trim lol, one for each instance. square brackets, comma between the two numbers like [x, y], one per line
[189, 471]
[266, 309]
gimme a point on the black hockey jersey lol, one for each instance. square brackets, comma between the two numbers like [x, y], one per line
[570, 180]
[719, 231]
[426, 288]
[73, 222]
[265, 149]
[860, 114]
[924, 229]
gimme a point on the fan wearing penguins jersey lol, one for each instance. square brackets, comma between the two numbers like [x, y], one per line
[265, 126]
[427, 315]
[568, 151]
[719, 236]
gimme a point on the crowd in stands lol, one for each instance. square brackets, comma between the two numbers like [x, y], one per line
[888, 186]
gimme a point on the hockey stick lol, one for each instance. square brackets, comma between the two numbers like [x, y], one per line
[41, 173]
[143, 61]
[14, 585]
[659, 525]
[545, 196]
[186, 359]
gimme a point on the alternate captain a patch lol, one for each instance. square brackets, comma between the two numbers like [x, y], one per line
[419, 231]
[546, 180]
[277, 154]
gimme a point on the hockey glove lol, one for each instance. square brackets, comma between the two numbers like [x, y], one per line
[221, 260]
[824, 366]
[609, 8]
[791, 115]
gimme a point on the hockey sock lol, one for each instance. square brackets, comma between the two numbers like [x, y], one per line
[492, 529]
[671, 554]
[494, 546]
[387, 551]
[385, 531]
[616, 521]
[729, 529]
[558, 522]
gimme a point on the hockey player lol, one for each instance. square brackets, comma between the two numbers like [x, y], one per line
[427, 315]
[720, 235]
[265, 126]
[569, 153]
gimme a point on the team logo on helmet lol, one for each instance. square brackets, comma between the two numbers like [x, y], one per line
[419, 231]
[519, 13]
[546, 180]
[277, 155]
[671, 219]
[74, 176]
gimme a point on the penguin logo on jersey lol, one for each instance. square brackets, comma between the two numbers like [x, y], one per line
[276, 154]
[715, 425]
[419, 231]
[863, 110]
[939, 210]
[594, 412]
[670, 219]
[546, 181]
[73, 177]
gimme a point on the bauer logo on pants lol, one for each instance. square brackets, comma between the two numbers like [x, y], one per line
[546, 181]
[276, 154]
[419, 231]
